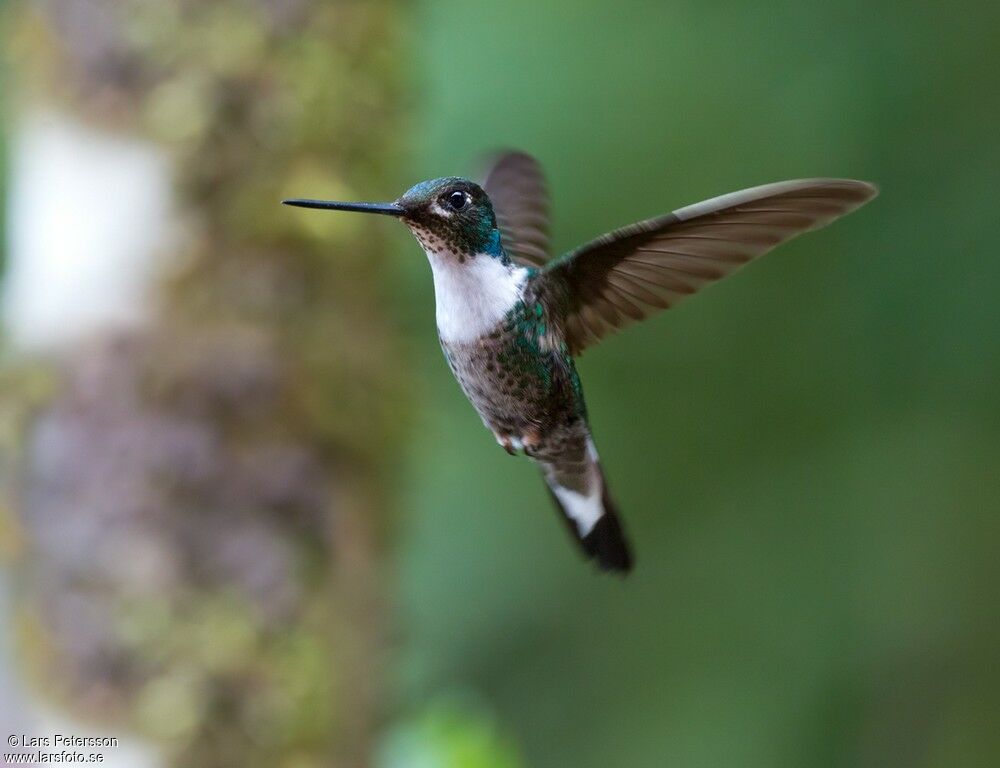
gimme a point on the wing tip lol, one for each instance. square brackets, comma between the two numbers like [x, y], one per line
[873, 189]
[866, 190]
[492, 160]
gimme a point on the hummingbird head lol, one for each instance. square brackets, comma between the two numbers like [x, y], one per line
[451, 217]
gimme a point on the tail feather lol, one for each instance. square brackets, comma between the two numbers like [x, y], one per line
[594, 524]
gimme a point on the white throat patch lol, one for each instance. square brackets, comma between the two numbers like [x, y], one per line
[474, 296]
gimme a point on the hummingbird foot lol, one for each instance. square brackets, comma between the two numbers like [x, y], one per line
[528, 442]
[531, 441]
[510, 444]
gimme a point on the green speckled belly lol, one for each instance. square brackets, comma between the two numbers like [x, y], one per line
[514, 378]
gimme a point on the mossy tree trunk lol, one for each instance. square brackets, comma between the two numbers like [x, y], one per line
[224, 461]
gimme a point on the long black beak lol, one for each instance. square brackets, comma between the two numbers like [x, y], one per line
[387, 209]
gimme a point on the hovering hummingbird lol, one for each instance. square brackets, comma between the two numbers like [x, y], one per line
[510, 320]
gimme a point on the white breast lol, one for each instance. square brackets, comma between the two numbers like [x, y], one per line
[474, 296]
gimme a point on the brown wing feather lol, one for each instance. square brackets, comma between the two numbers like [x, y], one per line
[517, 189]
[628, 274]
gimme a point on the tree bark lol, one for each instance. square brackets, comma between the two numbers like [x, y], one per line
[225, 458]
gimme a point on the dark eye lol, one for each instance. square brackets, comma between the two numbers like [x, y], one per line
[456, 200]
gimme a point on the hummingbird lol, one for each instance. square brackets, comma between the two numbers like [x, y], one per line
[511, 320]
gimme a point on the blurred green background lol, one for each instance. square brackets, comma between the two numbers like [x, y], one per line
[806, 455]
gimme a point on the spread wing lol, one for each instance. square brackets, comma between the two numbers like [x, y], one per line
[516, 186]
[629, 274]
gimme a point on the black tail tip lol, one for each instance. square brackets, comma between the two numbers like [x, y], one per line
[606, 543]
